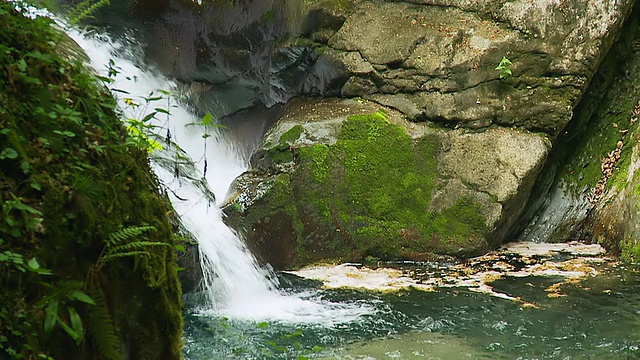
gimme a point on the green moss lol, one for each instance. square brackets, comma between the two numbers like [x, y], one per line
[630, 250]
[604, 111]
[376, 183]
[620, 175]
[290, 136]
[319, 165]
[283, 152]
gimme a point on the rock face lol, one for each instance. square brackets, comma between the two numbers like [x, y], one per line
[591, 187]
[447, 155]
[435, 60]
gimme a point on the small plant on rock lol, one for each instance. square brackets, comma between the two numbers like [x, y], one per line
[505, 68]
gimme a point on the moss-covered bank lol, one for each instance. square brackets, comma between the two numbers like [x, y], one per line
[79, 200]
[368, 194]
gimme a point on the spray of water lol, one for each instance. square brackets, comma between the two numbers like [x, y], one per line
[235, 284]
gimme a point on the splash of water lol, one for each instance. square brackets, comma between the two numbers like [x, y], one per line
[235, 284]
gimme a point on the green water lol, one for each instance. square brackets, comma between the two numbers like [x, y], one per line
[597, 319]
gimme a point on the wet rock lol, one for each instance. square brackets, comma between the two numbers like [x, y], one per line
[348, 179]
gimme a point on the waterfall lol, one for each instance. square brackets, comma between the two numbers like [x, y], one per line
[234, 283]
[231, 273]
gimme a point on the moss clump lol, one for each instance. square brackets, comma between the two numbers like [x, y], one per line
[283, 152]
[374, 185]
[630, 250]
[69, 178]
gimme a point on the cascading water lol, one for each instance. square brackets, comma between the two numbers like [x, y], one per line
[235, 284]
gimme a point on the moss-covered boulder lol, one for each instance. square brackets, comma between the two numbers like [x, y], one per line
[346, 179]
[87, 262]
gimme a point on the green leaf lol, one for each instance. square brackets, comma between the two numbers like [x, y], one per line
[25, 166]
[22, 65]
[36, 186]
[77, 337]
[64, 133]
[207, 119]
[33, 264]
[76, 324]
[80, 296]
[179, 247]
[149, 116]
[262, 325]
[51, 313]
[8, 153]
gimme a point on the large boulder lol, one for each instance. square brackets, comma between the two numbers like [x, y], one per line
[435, 59]
[439, 151]
[349, 179]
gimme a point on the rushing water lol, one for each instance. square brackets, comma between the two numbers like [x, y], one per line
[252, 313]
[597, 319]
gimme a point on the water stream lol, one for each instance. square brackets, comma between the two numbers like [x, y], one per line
[252, 313]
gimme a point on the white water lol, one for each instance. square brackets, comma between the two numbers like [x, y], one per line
[235, 284]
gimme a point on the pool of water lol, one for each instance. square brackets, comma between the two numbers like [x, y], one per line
[595, 318]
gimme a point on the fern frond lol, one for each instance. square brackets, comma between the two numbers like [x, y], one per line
[85, 9]
[127, 233]
[108, 257]
[101, 329]
[135, 245]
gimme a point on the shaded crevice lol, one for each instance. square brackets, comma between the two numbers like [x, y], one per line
[558, 187]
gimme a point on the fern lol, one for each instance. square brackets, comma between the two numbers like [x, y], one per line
[124, 234]
[101, 329]
[85, 9]
[117, 247]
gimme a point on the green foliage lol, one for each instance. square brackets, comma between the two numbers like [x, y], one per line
[141, 129]
[57, 307]
[505, 68]
[85, 10]
[119, 245]
[70, 177]
[101, 328]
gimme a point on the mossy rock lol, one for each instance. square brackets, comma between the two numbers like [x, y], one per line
[69, 180]
[366, 194]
